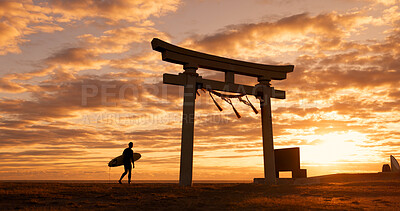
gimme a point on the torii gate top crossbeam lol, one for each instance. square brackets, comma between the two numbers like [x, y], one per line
[178, 55]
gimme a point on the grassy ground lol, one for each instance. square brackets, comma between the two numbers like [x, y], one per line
[336, 192]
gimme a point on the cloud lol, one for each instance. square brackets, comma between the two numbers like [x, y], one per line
[294, 33]
[64, 63]
[9, 39]
[119, 40]
[19, 19]
[113, 10]
[22, 18]
[62, 100]
[77, 58]
[384, 2]
[72, 101]
[35, 153]
[9, 86]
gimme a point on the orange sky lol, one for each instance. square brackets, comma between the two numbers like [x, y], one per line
[342, 106]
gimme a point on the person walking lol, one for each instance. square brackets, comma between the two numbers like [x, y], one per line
[128, 163]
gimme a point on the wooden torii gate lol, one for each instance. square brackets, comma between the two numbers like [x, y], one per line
[191, 61]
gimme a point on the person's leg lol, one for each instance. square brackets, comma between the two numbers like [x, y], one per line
[123, 174]
[129, 175]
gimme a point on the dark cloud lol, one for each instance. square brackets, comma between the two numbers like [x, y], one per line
[73, 56]
[327, 29]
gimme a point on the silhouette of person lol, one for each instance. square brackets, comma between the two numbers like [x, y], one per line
[128, 158]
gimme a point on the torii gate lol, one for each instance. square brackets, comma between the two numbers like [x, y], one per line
[191, 61]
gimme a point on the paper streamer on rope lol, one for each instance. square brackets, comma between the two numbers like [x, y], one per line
[215, 102]
[248, 103]
[226, 98]
[198, 93]
[225, 95]
[234, 109]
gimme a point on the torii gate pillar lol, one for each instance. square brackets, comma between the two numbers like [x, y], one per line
[189, 98]
[268, 142]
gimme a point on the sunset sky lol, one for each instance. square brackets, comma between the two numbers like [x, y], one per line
[64, 63]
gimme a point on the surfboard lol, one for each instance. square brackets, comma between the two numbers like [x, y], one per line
[119, 161]
[394, 164]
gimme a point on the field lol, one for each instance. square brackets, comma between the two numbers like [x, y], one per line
[345, 191]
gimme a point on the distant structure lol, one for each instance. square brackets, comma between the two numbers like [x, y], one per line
[394, 164]
[191, 61]
[386, 168]
[289, 160]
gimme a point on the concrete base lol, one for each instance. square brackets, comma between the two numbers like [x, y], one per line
[259, 181]
[290, 181]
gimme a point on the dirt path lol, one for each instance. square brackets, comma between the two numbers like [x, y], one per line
[383, 194]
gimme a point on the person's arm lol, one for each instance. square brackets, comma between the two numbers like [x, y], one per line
[133, 162]
[124, 154]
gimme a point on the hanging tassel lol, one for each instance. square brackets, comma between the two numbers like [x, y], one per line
[215, 102]
[236, 112]
[248, 102]
[229, 101]
[251, 105]
[204, 90]
[197, 92]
